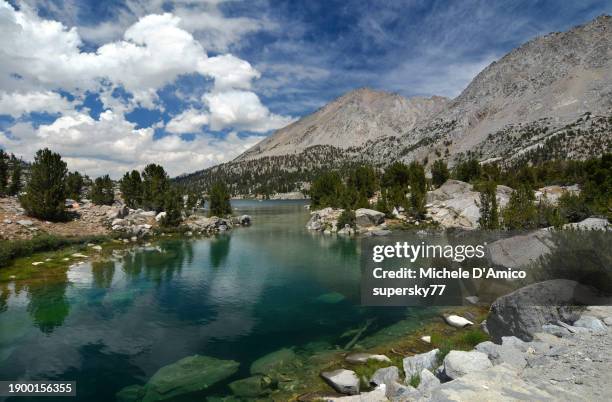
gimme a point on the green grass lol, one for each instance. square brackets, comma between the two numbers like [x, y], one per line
[415, 380]
[461, 340]
[13, 249]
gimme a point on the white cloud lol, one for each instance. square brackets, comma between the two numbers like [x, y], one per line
[242, 110]
[114, 145]
[39, 56]
[17, 104]
[190, 121]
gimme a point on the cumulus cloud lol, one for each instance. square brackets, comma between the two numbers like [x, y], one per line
[113, 145]
[242, 110]
[39, 57]
[190, 121]
[16, 104]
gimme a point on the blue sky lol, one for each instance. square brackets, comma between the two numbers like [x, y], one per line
[114, 85]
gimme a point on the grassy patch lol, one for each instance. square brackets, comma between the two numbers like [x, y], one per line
[461, 340]
[415, 380]
[13, 249]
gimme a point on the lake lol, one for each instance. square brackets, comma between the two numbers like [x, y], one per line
[239, 296]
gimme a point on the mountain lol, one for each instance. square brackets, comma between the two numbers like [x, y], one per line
[352, 120]
[549, 98]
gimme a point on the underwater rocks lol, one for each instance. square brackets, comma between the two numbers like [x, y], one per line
[360, 358]
[190, 375]
[252, 387]
[273, 363]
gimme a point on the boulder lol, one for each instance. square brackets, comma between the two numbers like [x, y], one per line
[524, 311]
[132, 393]
[274, 362]
[521, 250]
[500, 383]
[459, 363]
[160, 216]
[343, 381]
[555, 330]
[428, 382]
[590, 322]
[252, 387]
[376, 395]
[189, 375]
[552, 194]
[413, 365]
[499, 354]
[244, 220]
[386, 375]
[25, 222]
[365, 217]
[457, 321]
[359, 358]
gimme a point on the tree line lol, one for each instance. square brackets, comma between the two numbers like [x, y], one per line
[402, 186]
[50, 184]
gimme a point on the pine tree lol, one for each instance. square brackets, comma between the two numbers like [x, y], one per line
[173, 206]
[439, 173]
[521, 212]
[489, 218]
[15, 186]
[219, 200]
[155, 184]
[46, 188]
[102, 192]
[4, 172]
[131, 189]
[74, 185]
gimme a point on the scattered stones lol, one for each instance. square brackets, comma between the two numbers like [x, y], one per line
[358, 358]
[79, 255]
[426, 338]
[343, 381]
[37, 263]
[413, 365]
[458, 363]
[457, 321]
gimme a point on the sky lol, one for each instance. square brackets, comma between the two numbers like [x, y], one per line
[114, 85]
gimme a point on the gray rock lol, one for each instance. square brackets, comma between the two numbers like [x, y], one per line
[383, 232]
[368, 217]
[25, 222]
[521, 250]
[459, 363]
[608, 321]
[500, 383]
[499, 354]
[377, 395]
[428, 382]
[590, 322]
[413, 365]
[387, 375]
[524, 311]
[244, 220]
[357, 358]
[274, 362]
[513, 341]
[397, 392]
[343, 381]
[472, 299]
[555, 330]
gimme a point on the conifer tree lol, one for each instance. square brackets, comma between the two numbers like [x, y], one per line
[488, 207]
[74, 185]
[15, 186]
[4, 172]
[219, 200]
[102, 192]
[155, 184]
[131, 189]
[46, 188]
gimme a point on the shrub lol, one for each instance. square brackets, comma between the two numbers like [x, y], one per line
[173, 207]
[74, 185]
[488, 207]
[347, 217]
[468, 170]
[573, 207]
[46, 191]
[520, 213]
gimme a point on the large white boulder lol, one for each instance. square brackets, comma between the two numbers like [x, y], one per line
[413, 365]
[343, 381]
[459, 363]
[368, 217]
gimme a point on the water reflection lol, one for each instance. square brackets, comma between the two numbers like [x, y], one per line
[48, 305]
[158, 264]
[219, 249]
[103, 273]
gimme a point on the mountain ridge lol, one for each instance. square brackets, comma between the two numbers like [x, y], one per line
[550, 97]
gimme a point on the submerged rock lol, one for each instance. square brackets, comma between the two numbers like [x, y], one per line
[132, 393]
[274, 362]
[357, 358]
[189, 375]
[330, 298]
[343, 381]
[252, 387]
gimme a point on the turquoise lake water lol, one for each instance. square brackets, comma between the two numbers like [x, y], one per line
[236, 296]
